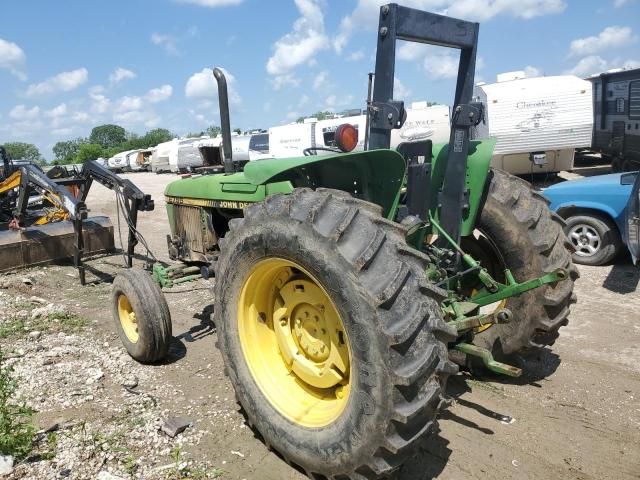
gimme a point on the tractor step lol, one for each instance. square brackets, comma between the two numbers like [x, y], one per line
[51, 242]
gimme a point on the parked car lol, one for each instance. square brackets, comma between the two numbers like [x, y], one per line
[602, 215]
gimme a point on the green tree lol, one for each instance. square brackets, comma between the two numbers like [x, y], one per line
[213, 131]
[156, 136]
[65, 152]
[319, 115]
[89, 151]
[26, 151]
[108, 135]
[238, 131]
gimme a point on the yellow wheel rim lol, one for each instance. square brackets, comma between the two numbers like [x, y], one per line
[128, 319]
[294, 343]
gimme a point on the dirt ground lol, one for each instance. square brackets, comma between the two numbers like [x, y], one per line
[576, 415]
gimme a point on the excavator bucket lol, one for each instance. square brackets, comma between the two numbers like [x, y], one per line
[52, 242]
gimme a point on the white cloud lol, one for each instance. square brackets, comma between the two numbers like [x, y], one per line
[333, 101]
[301, 44]
[127, 104]
[12, 58]
[80, 117]
[203, 85]
[120, 74]
[595, 64]
[355, 56]
[62, 132]
[166, 41]
[366, 13]
[58, 111]
[440, 67]
[321, 80]
[609, 38]
[482, 10]
[292, 115]
[531, 71]
[100, 102]
[304, 99]
[63, 82]
[620, 3]
[411, 51]
[285, 80]
[212, 3]
[159, 94]
[20, 112]
[400, 91]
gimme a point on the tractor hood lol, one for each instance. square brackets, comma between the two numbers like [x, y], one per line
[374, 175]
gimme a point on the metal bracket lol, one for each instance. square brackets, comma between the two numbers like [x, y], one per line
[387, 115]
[468, 115]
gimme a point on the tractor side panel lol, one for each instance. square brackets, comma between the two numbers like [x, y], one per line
[478, 163]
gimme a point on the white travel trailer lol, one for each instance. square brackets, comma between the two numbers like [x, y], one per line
[423, 123]
[140, 160]
[120, 161]
[177, 155]
[538, 122]
[160, 156]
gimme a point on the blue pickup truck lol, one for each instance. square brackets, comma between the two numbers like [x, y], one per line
[602, 215]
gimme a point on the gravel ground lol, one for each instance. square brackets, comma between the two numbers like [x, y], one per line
[576, 415]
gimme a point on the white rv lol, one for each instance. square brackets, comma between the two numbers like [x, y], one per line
[160, 156]
[140, 160]
[538, 122]
[120, 161]
[423, 123]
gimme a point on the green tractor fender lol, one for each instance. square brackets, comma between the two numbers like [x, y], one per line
[478, 163]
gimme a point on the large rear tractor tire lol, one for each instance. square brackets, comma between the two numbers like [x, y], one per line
[516, 230]
[334, 342]
[141, 315]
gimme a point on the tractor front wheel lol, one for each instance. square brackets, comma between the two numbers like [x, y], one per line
[334, 342]
[516, 230]
[141, 315]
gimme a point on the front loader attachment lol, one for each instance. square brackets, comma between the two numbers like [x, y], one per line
[42, 244]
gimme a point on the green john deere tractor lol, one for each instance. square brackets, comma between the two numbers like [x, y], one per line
[349, 286]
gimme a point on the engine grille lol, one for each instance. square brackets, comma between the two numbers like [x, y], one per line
[194, 228]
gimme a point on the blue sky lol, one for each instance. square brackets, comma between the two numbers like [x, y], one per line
[68, 66]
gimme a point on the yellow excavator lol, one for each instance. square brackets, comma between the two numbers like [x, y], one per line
[44, 219]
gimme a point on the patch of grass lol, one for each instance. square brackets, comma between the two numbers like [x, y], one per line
[57, 322]
[12, 327]
[68, 322]
[17, 430]
[183, 470]
[52, 446]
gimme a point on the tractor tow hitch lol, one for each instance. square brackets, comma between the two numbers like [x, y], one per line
[501, 316]
[487, 359]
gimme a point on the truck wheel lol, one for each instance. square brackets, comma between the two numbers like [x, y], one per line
[596, 239]
[334, 342]
[141, 315]
[516, 230]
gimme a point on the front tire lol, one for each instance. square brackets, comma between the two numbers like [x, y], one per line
[386, 392]
[530, 241]
[141, 315]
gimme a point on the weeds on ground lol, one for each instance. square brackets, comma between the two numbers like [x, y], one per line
[56, 322]
[16, 426]
[183, 469]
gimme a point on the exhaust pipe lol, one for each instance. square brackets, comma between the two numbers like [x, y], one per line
[225, 123]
